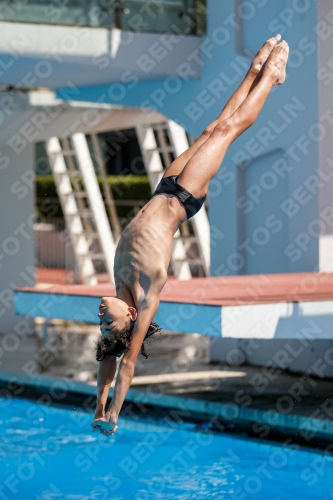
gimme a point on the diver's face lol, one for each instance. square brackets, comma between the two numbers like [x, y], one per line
[114, 316]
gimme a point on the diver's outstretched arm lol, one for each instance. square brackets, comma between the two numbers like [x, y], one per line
[106, 372]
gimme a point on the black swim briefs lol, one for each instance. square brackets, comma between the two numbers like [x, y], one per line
[169, 185]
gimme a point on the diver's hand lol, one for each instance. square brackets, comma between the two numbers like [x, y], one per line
[105, 425]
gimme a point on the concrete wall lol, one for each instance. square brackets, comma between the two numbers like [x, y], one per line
[259, 209]
[17, 239]
[325, 88]
[298, 356]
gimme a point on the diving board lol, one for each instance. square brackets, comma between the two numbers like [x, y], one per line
[296, 305]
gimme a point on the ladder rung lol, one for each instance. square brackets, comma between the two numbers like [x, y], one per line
[165, 149]
[67, 152]
[77, 194]
[80, 194]
[102, 276]
[92, 234]
[85, 213]
[97, 255]
[74, 173]
[161, 149]
[186, 238]
[190, 261]
[162, 126]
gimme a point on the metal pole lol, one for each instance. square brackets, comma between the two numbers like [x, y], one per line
[118, 10]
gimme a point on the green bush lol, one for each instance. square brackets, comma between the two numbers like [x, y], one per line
[124, 188]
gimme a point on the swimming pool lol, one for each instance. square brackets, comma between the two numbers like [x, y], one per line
[49, 453]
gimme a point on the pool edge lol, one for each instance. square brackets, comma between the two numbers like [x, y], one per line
[60, 391]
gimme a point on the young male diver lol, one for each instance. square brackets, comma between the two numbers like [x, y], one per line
[144, 249]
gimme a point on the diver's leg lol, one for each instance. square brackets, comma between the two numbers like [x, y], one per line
[251, 79]
[204, 164]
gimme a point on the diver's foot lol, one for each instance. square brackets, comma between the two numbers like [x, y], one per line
[277, 62]
[263, 54]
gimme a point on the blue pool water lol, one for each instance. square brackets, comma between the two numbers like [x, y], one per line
[49, 453]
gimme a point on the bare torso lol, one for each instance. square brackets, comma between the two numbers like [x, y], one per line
[144, 249]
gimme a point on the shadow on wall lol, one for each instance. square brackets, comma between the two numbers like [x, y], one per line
[262, 187]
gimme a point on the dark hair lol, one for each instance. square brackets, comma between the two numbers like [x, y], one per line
[121, 340]
[125, 335]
